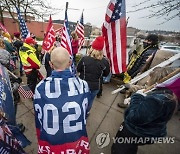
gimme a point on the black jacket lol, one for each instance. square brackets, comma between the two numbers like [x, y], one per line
[91, 70]
[141, 61]
[17, 44]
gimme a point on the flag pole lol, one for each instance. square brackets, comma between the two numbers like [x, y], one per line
[141, 76]
[67, 3]
[176, 71]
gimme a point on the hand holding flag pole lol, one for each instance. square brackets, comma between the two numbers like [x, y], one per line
[163, 80]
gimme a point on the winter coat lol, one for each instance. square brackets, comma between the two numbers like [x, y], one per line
[17, 44]
[91, 70]
[147, 116]
[29, 58]
[4, 57]
[141, 61]
[74, 46]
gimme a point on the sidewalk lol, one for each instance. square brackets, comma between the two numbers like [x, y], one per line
[105, 117]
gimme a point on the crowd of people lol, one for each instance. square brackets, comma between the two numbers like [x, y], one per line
[63, 100]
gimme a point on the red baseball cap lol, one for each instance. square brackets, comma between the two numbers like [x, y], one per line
[17, 34]
[30, 40]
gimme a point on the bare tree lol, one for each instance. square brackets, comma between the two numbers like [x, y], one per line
[168, 9]
[38, 8]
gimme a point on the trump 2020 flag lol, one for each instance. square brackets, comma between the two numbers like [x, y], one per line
[80, 31]
[114, 31]
[49, 38]
[66, 43]
[24, 30]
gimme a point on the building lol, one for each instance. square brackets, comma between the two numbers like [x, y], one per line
[38, 28]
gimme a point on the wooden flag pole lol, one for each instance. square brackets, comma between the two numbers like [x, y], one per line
[141, 76]
[12, 74]
[162, 80]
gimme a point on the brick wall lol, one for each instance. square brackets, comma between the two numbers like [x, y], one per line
[36, 27]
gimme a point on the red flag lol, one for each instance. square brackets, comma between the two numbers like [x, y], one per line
[114, 31]
[80, 31]
[49, 38]
[173, 84]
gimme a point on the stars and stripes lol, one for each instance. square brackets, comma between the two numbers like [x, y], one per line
[24, 30]
[66, 43]
[59, 32]
[114, 31]
[25, 91]
[80, 31]
[65, 40]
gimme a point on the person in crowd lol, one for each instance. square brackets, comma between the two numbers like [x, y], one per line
[8, 43]
[147, 117]
[5, 56]
[11, 49]
[60, 99]
[30, 62]
[105, 61]
[35, 45]
[57, 43]
[47, 62]
[91, 67]
[154, 77]
[141, 60]
[1, 33]
[17, 43]
[75, 45]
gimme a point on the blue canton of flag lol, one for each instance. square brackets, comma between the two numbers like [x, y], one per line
[23, 27]
[117, 11]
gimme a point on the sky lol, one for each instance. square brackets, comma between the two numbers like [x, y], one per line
[94, 13]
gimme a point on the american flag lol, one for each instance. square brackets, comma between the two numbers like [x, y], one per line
[66, 43]
[25, 91]
[24, 30]
[80, 31]
[59, 32]
[114, 31]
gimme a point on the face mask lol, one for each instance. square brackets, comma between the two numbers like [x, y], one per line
[145, 44]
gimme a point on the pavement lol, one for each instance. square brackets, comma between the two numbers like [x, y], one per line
[102, 124]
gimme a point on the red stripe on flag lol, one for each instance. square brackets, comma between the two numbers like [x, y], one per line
[111, 7]
[113, 29]
[123, 43]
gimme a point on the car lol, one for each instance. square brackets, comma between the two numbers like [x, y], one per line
[171, 48]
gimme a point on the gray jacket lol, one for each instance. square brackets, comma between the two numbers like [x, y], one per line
[4, 57]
